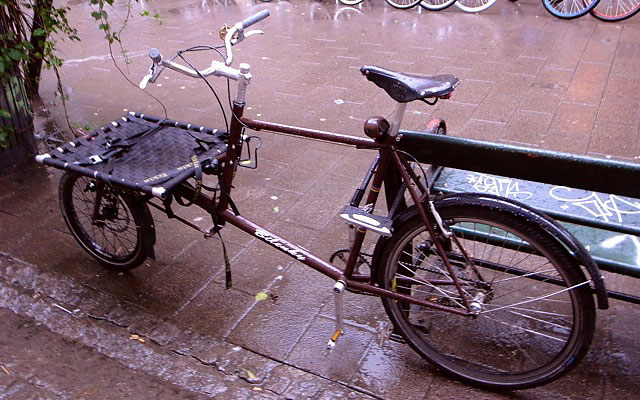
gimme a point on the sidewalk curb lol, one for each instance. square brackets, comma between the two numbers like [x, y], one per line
[189, 360]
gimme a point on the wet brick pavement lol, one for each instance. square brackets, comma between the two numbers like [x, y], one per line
[527, 79]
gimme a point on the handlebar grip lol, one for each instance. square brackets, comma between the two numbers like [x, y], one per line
[155, 55]
[254, 18]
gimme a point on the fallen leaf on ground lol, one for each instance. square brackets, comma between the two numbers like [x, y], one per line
[261, 296]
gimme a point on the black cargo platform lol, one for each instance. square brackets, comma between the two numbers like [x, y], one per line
[141, 152]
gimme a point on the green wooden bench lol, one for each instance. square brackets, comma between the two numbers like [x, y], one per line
[596, 199]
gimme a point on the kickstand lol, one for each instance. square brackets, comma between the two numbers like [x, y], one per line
[338, 292]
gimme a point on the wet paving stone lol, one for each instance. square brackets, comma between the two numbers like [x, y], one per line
[526, 78]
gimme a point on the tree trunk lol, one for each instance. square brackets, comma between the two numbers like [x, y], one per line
[21, 144]
[34, 65]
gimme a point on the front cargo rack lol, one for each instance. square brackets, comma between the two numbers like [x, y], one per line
[141, 152]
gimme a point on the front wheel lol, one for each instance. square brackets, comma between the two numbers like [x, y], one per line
[105, 221]
[403, 4]
[536, 315]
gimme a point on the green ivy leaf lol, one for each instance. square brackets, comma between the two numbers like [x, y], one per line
[38, 32]
[145, 13]
[16, 55]
[5, 114]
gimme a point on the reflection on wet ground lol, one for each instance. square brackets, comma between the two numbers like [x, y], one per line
[527, 78]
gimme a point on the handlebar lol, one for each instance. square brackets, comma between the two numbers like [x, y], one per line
[155, 55]
[233, 36]
[245, 23]
[237, 34]
[155, 69]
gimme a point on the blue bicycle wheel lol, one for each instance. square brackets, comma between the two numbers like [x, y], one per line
[569, 9]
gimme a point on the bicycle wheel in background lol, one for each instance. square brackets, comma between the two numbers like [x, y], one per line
[474, 6]
[537, 314]
[615, 10]
[351, 2]
[436, 5]
[403, 4]
[112, 234]
[569, 9]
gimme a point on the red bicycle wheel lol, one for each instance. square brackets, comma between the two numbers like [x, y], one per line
[616, 10]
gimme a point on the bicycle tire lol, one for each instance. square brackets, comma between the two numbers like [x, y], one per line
[117, 241]
[474, 6]
[351, 2]
[569, 9]
[436, 5]
[403, 4]
[532, 341]
[615, 10]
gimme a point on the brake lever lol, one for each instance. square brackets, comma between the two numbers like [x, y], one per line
[154, 70]
[147, 77]
[253, 32]
[235, 35]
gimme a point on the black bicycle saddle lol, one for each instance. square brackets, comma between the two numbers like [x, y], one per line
[404, 88]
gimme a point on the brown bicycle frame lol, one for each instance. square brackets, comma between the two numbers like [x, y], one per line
[388, 155]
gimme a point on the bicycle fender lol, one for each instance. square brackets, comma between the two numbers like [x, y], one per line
[147, 226]
[549, 225]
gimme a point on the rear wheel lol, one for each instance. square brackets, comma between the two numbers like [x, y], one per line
[106, 222]
[536, 317]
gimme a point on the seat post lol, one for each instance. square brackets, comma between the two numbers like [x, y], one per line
[397, 118]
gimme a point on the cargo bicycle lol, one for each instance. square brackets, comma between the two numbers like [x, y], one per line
[487, 289]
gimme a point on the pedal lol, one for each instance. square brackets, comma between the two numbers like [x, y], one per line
[363, 219]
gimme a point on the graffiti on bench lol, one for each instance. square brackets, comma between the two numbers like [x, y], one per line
[606, 207]
[498, 185]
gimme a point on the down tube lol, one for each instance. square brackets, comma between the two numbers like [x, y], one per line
[316, 263]
[273, 240]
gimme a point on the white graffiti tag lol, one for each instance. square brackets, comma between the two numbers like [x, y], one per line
[505, 187]
[612, 207]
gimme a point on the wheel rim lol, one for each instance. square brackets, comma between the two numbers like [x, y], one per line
[523, 327]
[570, 8]
[403, 4]
[436, 4]
[615, 10]
[474, 5]
[114, 233]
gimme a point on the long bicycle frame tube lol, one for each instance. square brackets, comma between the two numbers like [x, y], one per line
[324, 267]
[359, 142]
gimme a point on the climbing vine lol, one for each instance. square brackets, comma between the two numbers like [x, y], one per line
[29, 35]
